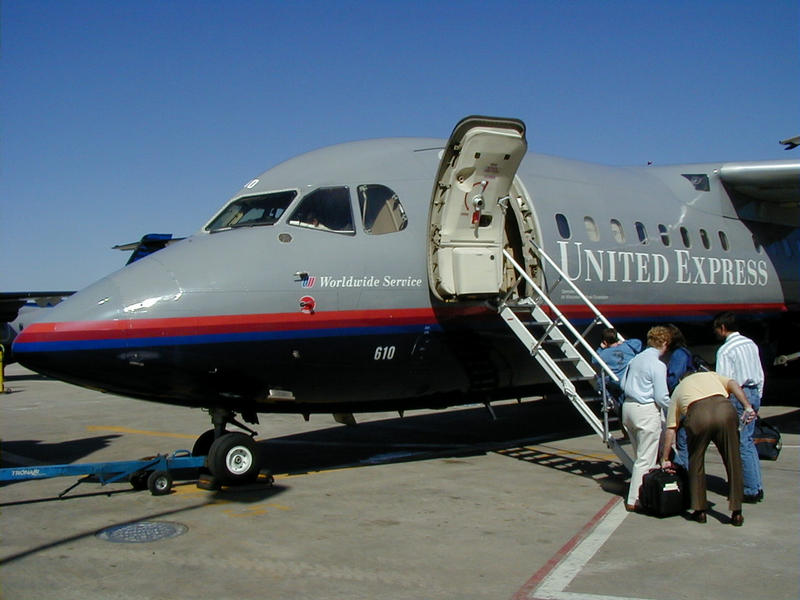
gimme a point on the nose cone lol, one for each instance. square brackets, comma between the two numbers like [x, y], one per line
[85, 339]
[79, 323]
[76, 319]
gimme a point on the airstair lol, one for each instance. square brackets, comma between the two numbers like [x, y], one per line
[474, 187]
[554, 342]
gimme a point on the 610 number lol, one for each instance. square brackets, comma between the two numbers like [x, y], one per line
[384, 353]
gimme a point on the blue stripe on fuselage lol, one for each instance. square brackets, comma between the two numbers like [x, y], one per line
[254, 336]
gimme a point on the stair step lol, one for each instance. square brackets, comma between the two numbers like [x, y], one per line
[568, 359]
[584, 378]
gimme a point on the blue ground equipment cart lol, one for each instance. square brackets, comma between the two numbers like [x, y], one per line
[153, 473]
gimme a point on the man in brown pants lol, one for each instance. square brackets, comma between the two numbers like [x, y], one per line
[703, 399]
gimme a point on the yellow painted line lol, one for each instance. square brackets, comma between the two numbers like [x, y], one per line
[255, 511]
[182, 436]
[189, 489]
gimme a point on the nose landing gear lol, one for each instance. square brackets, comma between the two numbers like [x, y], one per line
[232, 458]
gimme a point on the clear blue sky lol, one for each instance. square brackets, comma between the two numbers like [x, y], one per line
[124, 117]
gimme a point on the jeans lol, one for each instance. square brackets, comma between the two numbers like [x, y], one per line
[681, 447]
[751, 469]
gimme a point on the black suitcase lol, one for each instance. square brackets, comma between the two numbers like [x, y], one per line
[767, 439]
[662, 493]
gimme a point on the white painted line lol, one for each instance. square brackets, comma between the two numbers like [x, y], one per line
[552, 580]
[560, 577]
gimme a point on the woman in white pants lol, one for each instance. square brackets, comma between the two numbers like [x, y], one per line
[646, 396]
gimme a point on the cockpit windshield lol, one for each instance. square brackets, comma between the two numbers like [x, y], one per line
[249, 211]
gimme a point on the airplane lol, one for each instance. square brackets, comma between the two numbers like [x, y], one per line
[394, 274]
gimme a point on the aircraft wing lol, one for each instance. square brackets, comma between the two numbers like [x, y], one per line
[765, 181]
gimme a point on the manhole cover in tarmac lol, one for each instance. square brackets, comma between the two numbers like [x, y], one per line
[142, 531]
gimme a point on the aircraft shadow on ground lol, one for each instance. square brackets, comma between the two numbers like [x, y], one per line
[459, 433]
[52, 453]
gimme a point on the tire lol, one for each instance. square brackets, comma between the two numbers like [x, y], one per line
[159, 483]
[139, 480]
[203, 444]
[234, 459]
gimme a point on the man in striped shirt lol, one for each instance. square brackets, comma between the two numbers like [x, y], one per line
[738, 359]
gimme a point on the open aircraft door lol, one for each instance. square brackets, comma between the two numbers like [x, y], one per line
[471, 197]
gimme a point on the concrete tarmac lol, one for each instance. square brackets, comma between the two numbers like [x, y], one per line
[435, 505]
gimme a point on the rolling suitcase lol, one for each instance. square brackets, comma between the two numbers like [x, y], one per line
[662, 493]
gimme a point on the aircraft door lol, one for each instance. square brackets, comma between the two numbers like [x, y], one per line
[468, 206]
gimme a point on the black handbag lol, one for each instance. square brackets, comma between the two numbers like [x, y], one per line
[767, 439]
[662, 492]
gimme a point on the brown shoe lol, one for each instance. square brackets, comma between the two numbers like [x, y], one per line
[699, 516]
[736, 518]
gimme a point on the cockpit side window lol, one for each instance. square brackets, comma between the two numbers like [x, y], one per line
[263, 209]
[381, 210]
[325, 209]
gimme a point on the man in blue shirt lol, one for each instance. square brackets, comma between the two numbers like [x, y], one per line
[616, 354]
[646, 396]
[738, 358]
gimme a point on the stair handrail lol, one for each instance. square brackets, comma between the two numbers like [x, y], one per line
[561, 316]
[574, 287]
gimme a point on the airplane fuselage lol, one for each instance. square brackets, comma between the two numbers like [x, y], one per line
[290, 315]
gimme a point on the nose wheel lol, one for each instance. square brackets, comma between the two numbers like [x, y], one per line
[232, 458]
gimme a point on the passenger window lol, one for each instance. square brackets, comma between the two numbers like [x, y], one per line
[381, 211]
[704, 239]
[563, 226]
[249, 211]
[641, 232]
[664, 235]
[687, 243]
[591, 229]
[326, 209]
[723, 239]
[616, 231]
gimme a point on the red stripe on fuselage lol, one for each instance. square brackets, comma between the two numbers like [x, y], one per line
[210, 325]
[226, 324]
